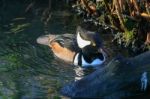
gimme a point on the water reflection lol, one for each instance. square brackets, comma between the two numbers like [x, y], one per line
[82, 72]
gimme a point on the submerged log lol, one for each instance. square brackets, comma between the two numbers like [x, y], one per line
[120, 78]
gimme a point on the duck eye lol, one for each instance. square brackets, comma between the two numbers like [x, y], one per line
[93, 44]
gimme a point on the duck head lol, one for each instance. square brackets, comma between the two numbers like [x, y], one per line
[86, 38]
[45, 39]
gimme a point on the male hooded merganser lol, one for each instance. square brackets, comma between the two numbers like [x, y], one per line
[89, 56]
[65, 47]
[91, 45]
[86, 38]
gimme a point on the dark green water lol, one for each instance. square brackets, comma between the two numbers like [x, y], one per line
[29, 70]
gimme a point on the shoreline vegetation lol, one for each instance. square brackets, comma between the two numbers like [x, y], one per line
[127, 20]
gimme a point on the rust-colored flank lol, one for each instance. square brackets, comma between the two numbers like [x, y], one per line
[62, 52]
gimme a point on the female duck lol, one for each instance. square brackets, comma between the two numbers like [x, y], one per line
[63, 46]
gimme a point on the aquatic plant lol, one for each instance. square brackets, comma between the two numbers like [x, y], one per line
[128, 37]
[19, 28]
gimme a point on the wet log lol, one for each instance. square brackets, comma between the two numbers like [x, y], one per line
[120, 78]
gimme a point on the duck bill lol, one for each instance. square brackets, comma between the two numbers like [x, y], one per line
[45, 40]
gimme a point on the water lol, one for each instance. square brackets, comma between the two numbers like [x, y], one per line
[29, 70]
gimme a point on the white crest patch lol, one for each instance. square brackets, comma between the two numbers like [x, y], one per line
[81, 42]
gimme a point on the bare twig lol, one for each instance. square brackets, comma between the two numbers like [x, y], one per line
[119, 14]
[91, 9]
[145, 15]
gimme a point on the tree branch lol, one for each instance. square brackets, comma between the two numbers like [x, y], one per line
[119, 79]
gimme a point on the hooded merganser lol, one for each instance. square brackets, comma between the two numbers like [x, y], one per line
[89, 56]
[86, 38]
[65, 47]
[89, 34]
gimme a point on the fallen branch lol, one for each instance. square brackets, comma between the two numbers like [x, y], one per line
[121, 78]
